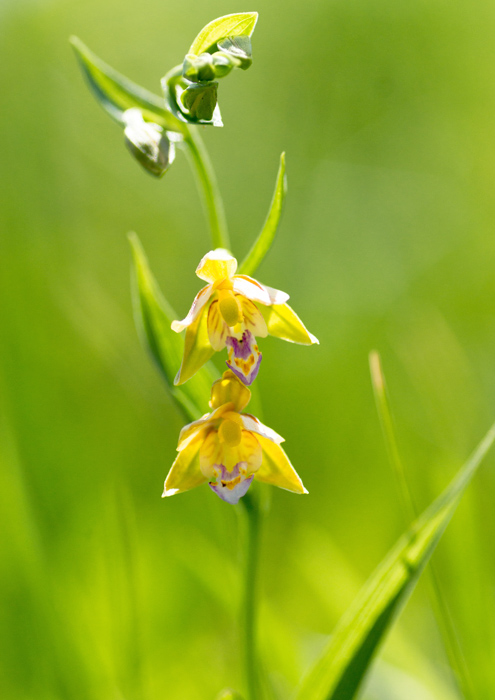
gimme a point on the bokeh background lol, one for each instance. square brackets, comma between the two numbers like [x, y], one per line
[386, 111]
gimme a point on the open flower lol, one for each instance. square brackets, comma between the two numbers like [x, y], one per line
[233, 310]
[228, 449]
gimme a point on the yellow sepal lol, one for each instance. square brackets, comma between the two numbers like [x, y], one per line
[185, 473]
[276, 468]
[197, 349]
[216, 265]
[284, 323]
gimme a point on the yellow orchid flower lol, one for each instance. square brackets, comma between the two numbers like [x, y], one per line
[232, 310]
[228, 449]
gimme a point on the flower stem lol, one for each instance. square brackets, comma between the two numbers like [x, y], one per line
[208, 184]
[250, 508]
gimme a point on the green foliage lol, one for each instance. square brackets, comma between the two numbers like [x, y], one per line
[154, 316]
[265, 239]
[116, 93]
[236, 25]
[339, 672]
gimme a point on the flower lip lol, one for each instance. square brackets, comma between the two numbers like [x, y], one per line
[231, 486]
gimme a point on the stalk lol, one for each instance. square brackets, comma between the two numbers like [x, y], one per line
[250, 528]
[207, 182]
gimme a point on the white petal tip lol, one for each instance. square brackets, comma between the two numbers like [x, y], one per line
[305, 491]
[314, 339]
[169, 492]
[177, 326]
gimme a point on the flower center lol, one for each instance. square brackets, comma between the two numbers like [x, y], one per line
[229, 307]
[230, 433]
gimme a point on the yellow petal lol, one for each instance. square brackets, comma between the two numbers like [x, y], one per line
[197, 349]
[217, 265]
[254, 290]
[276, 468]
[200, 300]
[185, 473]
[218, 331]
[252, 317]
[251, 423]
[214, 452]
[192, 429]
[284, 323]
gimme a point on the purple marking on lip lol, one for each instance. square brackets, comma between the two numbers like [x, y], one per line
[251, 376]
[242, 348]
[231, 495]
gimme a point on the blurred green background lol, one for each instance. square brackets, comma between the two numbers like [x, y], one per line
[386, 111]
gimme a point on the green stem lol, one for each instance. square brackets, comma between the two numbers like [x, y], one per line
[208, 184]
[249, 548]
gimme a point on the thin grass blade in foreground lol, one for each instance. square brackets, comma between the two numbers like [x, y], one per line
[449, 633]
[339, 672]
[154, 317]
[262, 244]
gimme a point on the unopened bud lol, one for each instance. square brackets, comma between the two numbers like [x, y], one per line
[200, 100]
[148, 143]
[239, 48]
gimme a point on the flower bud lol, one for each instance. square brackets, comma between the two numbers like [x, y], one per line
[200, 100]
[148, 143]
[229, 389]
[198, 68]
[222, 64]
[239, 49]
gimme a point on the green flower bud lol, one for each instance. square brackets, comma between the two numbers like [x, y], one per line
[148, 143]
[222, 64]
[239, 49]
[198, 69]
[200, 100]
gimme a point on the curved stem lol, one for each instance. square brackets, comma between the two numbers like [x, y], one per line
[208, 184]
[249, 547]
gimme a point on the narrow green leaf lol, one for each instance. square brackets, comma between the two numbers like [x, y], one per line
[340, 670]
[448, 630]
[154, 316]
[262, 244]
[241, 24]
[116, 93]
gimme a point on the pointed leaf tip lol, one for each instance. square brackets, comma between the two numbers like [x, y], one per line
[267, 235]
[238, 24]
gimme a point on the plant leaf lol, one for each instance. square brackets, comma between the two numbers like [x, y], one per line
[240, 24]
[340, 670]
[116, 93]
[265, 239]
[154, 316]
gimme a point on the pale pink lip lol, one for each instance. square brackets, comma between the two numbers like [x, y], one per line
[231, 495]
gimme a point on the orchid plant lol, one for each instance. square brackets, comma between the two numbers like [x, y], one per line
[225, 447]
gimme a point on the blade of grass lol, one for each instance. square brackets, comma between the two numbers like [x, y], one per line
[444, 618]
[339, 672]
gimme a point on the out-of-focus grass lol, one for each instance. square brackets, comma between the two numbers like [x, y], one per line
[385, 111]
